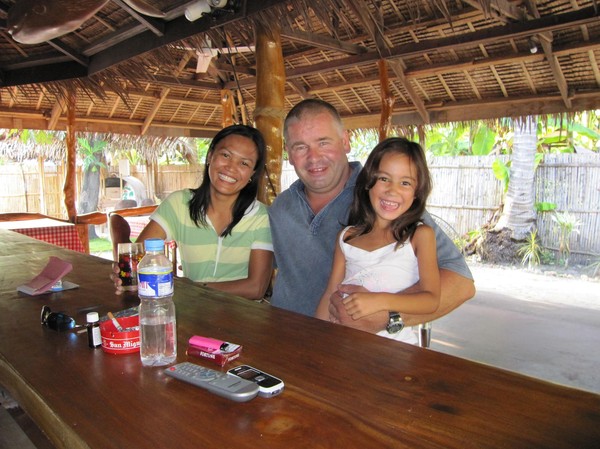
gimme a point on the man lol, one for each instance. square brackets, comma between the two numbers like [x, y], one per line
[306, 218]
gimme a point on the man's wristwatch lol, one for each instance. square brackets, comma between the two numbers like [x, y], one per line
[395, 324]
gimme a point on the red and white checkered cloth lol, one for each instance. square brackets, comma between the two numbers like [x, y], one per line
[137, 224]
[51, 231]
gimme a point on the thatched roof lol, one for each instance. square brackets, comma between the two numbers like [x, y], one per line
[454, 60]
[22, 146]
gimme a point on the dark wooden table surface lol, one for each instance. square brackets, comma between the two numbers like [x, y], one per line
[344, 388]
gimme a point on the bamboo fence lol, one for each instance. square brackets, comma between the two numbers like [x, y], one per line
[466, 193]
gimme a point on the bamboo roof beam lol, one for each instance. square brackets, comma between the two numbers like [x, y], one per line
[165, 91]
[499, 80]
[317, 41]
[56, 112]
[414, 97]
[595, 66]
[546, 42]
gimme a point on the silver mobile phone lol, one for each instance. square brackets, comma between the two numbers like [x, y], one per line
[268, 386]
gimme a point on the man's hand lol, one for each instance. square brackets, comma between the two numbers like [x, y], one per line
[455, 290]
[114, 276]
[338, 314]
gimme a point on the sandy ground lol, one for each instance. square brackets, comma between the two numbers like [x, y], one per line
[540, 325]
[578, 291]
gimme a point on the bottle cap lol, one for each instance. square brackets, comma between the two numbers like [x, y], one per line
[92, 317]
[154, 245]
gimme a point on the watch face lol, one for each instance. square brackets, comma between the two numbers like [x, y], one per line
[395, 324]
[393, 328]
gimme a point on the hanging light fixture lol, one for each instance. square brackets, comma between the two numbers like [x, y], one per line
[201, 7]
[197, 10]
[533, 48]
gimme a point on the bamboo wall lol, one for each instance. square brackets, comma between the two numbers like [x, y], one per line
[33, 187]
[573, 183]
[21, 185]
[466, 193]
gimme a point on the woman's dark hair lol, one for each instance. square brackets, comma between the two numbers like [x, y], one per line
[362, 215]
[200, 201]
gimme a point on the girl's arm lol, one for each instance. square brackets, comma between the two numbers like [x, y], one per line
[338, 271]
[425, 300]
[260, 270]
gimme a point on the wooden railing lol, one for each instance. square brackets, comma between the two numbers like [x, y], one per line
[82, 221]
[23, 216]
[97, 218]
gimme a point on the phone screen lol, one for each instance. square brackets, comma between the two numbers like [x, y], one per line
[248, 374]
[262, 379]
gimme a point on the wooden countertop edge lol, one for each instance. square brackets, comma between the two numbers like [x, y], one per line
[55, 429]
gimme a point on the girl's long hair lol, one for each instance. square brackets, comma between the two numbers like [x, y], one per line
[200, 201]
[362, 215]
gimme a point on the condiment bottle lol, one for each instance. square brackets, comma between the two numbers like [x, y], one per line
[93, 330]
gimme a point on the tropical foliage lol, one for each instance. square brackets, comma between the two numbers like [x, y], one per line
[594, 267]
[578, 132]
[531, 250]
[562, 133]
[91, 153]
[567, 225]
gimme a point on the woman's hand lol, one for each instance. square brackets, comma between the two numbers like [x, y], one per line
[114, 276]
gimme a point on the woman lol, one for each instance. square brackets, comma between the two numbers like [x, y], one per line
[222, 231]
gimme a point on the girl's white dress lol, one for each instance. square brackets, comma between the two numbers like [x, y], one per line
[383, 270]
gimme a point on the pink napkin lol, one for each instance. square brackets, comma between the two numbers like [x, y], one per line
[54, 271]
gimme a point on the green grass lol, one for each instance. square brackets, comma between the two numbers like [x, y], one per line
[100, 245]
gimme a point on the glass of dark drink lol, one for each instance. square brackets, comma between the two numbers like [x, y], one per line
[129, 256]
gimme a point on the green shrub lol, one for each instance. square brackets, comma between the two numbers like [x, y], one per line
[531, 250]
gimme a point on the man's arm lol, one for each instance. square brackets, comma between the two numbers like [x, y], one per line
[455, 290]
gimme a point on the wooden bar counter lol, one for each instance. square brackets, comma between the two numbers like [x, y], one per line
[344, 388]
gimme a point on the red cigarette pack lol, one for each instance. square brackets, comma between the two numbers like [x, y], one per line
[219, 356]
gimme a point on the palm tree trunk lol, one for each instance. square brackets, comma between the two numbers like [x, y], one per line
[519, 211]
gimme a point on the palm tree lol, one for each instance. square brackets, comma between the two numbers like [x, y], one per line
[92, 152]
[518, 214]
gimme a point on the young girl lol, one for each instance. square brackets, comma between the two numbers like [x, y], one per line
[222, 231]
[387, 248]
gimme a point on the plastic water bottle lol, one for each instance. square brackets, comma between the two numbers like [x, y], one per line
[158, 330]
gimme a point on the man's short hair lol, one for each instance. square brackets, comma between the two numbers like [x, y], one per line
[311, 105]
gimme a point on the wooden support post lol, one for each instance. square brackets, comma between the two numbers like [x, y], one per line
[229, 112]
[387, 101]
[70, 186]
[269, 113]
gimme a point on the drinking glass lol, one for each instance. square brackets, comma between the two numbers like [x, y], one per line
[129, 256]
